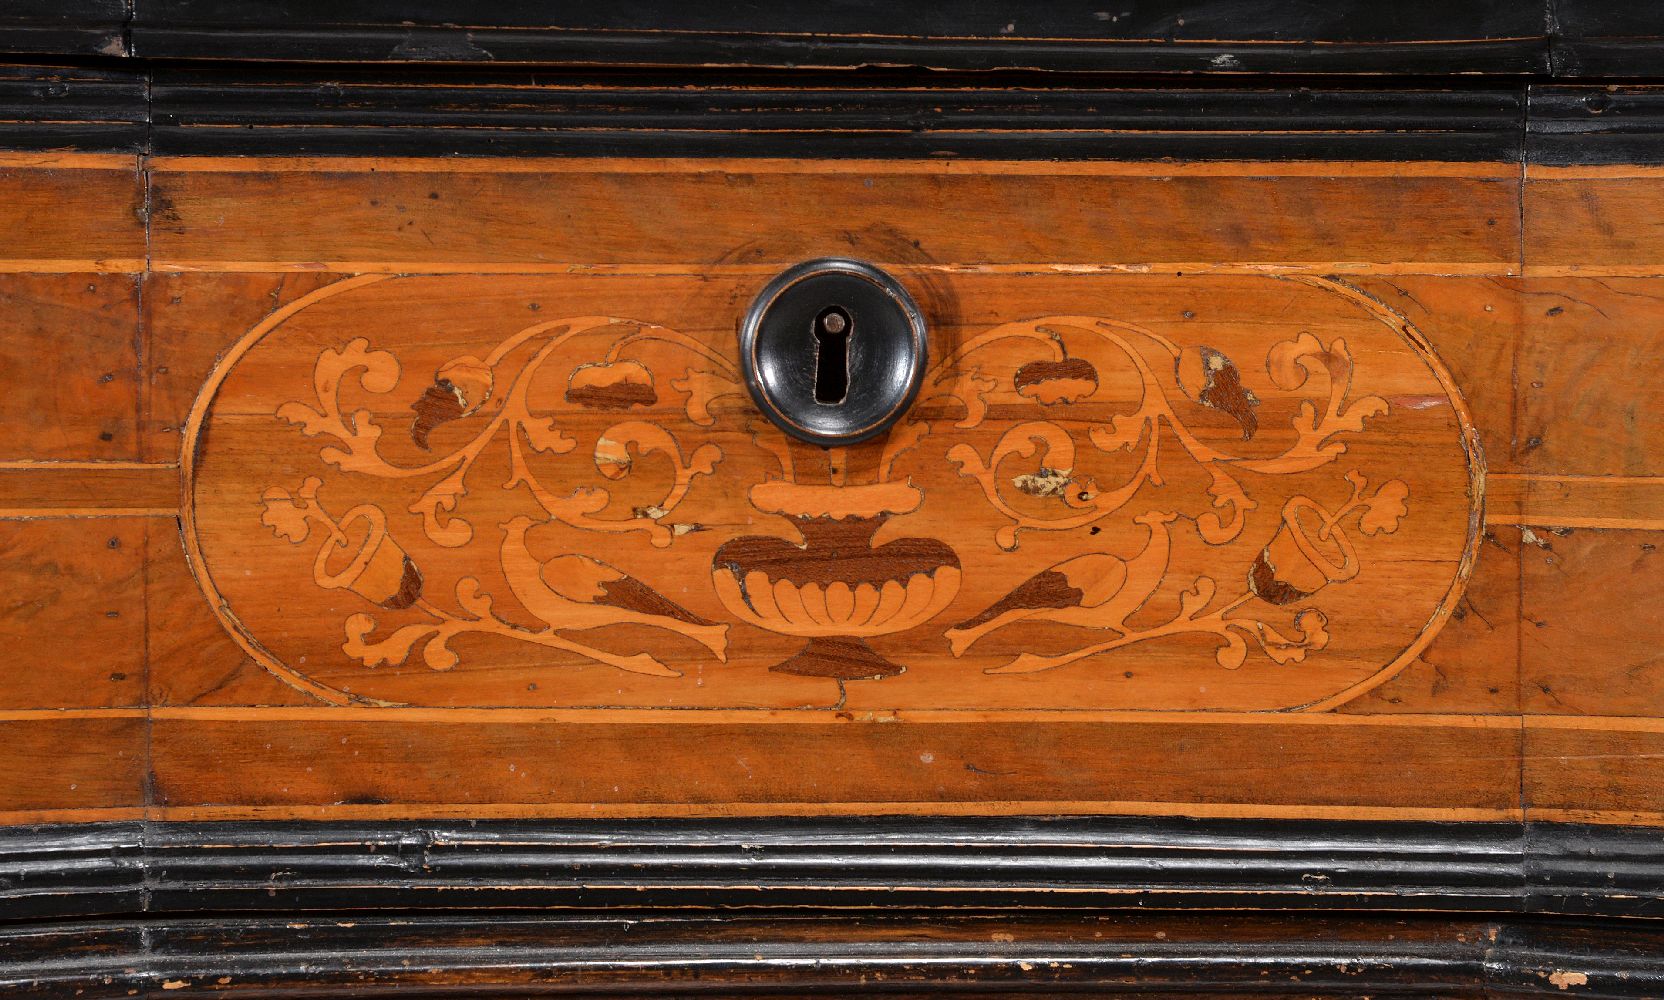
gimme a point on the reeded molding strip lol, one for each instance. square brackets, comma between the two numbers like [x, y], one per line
[834, 954]
[507, 114]
[901, 863]
[1348, 36]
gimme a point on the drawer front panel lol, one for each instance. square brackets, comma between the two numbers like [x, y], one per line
[1229, 482]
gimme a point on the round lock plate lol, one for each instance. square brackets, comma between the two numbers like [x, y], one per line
[833, 351]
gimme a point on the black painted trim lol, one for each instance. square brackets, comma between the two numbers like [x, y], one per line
[233, 113]
[176, 111]
[790, 907]
[1165, 36]
[821, 955]
[1611, 38]
[65, 27]
[134, 106]
[173, 111]
[1596, 125]
[1027, 864]
[72, 870]
[914, 862]
[1541, 39]
[45, 108]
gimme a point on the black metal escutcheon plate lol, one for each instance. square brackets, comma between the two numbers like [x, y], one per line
[833, 351]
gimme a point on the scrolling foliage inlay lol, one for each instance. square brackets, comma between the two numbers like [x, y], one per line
[406, 479]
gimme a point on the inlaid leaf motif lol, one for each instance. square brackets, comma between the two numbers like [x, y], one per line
[1386, 508]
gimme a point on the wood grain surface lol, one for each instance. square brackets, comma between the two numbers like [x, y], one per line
[373, 489]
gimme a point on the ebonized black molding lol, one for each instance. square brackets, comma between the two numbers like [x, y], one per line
[45, 108]
[65, 27]
[356, 112]
[1593, 125]
[1172, 36]
[1606, 38]
[1544, 39]
[800, 955]
[901, 907]
[1008, 864]
[224, 113]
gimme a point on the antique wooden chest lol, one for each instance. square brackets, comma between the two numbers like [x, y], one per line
[1155, 496]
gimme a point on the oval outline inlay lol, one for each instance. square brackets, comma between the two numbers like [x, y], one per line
[194, 437]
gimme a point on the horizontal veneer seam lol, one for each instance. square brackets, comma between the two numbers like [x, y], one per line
[1545, 520]
[74, 463]
[45, 513]
[615, 716]
[911, 807]
[57, 265]
[10, 160]
[623, 715]
[415, 268]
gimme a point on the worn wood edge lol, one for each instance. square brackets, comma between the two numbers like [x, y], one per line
[936, 863]
[903, 956]
[1567, 39]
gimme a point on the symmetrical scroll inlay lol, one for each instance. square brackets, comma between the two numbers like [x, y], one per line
[1112, 495]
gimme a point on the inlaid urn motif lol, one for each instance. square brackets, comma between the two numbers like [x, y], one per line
[837, 588]
[1117, 492]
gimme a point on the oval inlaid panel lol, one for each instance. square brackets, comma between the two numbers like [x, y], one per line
[1114, 492]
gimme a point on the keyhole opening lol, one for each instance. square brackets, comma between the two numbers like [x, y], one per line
[832, 330]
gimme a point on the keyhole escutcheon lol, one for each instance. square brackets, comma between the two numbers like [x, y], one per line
[832, 333]
[833, 351]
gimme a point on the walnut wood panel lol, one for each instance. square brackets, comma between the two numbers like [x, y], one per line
[1601, 220]
[84, 584]
[653, 478]
[356, 764]
[1594, 770]
[1472, 323]
[72, 765]
[72, 212]
[1588, 503]
[390, 215]
[30, 489]
[466, 437]
[1587, 363]
[185, 315]
[78, 335]
[205, 666]
[72, 563]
